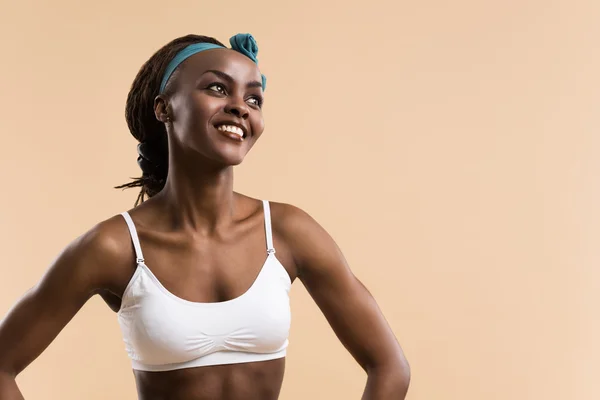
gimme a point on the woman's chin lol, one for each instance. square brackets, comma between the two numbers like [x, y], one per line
[229, 160]
[233, 156]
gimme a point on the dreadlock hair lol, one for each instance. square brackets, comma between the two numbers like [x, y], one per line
[153, 148]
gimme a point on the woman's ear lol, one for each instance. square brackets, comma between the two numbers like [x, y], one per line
[161, 109]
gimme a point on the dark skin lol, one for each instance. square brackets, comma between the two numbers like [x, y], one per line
[198, 216]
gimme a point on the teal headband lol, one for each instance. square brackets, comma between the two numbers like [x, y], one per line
[242, 43]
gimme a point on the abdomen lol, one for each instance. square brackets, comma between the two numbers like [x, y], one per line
[246, 381]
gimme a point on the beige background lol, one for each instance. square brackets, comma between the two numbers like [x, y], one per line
[451, 149]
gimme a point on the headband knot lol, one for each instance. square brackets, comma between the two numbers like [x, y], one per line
[244, 43]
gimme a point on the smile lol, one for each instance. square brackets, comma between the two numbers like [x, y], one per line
[236, 130]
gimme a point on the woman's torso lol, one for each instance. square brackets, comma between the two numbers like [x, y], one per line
[217, 268]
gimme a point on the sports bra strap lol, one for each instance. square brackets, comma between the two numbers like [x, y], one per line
[134, 237]
[268, 232]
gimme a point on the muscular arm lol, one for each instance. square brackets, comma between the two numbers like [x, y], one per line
[80, 271]
[347, 305]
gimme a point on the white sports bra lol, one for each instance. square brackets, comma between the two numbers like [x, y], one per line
[164, 332]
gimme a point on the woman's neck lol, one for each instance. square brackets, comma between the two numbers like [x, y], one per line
[200, 200]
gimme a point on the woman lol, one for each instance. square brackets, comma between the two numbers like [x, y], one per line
[201, 297]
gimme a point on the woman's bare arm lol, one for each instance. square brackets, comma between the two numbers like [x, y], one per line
[347, 305]
[84, 268]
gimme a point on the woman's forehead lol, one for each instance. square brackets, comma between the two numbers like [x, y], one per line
[228, 61]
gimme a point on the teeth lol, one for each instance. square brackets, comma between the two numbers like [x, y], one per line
[230, 128]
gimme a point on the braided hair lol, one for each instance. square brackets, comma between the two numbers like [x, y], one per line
[153, 148]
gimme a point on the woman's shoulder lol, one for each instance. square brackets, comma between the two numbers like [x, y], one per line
[281, 213]
[308, 244]
[108, 238]
[104, 250]
[290, 220]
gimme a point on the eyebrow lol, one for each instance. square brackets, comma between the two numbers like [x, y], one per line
[228, 78]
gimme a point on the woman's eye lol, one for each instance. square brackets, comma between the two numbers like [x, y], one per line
[217, 87]
[255, 101]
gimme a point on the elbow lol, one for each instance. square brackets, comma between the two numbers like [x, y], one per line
[394, 376]
[401, 376]
[404, 378]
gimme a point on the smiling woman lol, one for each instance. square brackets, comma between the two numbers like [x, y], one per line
[146, 113]
[201, 297]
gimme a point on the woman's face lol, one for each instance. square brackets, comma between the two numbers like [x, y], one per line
[216, 107]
